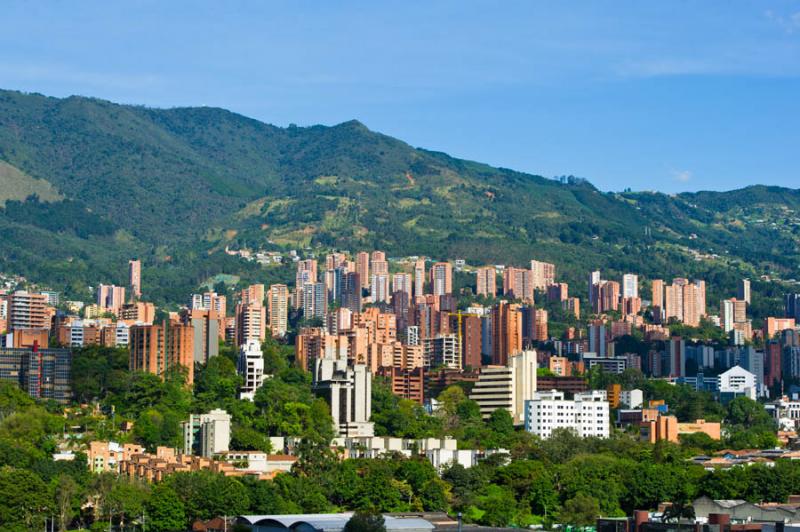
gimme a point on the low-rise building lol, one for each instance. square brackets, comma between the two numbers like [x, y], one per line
[667, 428]
[587, 414]
[207, 434]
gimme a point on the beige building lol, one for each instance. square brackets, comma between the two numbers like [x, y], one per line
[278, 300]
[507, 386]
[543, 274]
[486, 281]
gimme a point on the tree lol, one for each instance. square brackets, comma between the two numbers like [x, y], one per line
[66, 500]
[24, 500]
[501, 424]
[165, 511]
[365, 522]
[748, 413]
[499, 507]
[205, 494]
[581, 510]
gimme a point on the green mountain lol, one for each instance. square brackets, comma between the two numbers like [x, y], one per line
[175, 186]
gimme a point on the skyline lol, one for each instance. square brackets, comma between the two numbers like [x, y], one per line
[627, 96]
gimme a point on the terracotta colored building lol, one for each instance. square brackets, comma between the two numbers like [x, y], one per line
[159, 349]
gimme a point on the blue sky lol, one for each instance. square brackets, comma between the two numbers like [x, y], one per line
[668, 96]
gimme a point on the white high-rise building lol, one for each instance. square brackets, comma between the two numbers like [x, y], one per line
[379, 288]
[630, 285]
[250, 367]
[507, 386]
[314, 300]
[587, 414]
[348, 392]
[401, 282]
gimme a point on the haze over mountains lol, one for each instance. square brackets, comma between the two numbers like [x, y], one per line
[175, 186]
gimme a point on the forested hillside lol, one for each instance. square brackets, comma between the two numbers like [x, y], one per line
[175, 186]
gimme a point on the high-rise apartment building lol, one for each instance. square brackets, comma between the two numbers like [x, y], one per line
[278, 303]
[402, 282]
[594, 289]
[543, 274]
[608, 296]
[335, 260]
[731, 312]
[160, 349]
[486, 281]
[253, 294]
[379, 288]
[442, 351]
[470, 336]
[351, 291]
[408, 383]
[657, 297]
[362, 268]
[685, 301]
[206, 325]
[507, 386]
[558, 292]
[419, 277]
[348, 392]
[442, 278]
[209, 301]
[676, 357]
[250, 367]
[506, 332]
[791, 306]
[42, 373]
[378, 263]
[314, 300]
[110, 298]
[743, 291]
[540, 332]
[306, 273]
[251, 322]
[598, 339]
[334, 279]
[517, 284]
[135, 278]
[27, 310]
[630, 285]
[573, 306]
[137, 312]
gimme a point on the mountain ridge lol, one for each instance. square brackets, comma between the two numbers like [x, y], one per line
[187, 181]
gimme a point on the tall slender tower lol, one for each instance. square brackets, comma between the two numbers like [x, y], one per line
[419, 277]
[135, 279]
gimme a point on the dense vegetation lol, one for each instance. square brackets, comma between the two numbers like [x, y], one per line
[563, 479]
[175, 186]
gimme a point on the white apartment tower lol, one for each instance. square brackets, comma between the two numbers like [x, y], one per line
[250, 367]
[348, 392]
[630, 285]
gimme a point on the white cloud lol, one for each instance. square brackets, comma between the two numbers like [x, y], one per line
[682, 176]
[790, 23]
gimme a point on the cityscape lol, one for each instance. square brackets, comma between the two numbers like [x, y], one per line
[422, 359]
[399, 267]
